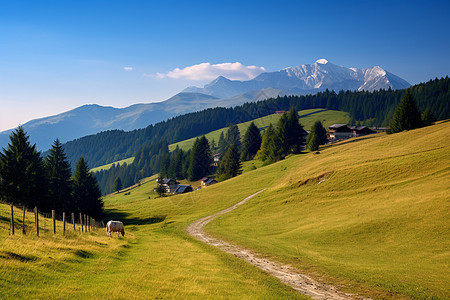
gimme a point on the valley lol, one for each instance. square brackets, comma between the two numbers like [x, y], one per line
[368, 215]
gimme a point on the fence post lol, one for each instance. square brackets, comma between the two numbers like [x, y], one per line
[81, 222]
[12, 220]
[36, 219]
[73, 221]
[23, 220]
[54, 221]
[64, 223]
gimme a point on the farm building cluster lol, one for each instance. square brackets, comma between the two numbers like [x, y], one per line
[344, 131]
[171, 186]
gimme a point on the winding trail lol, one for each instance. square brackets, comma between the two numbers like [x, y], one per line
[287, 274]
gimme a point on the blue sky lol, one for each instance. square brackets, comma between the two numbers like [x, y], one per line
[57, 55]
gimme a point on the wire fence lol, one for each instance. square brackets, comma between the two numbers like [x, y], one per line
[29, 221]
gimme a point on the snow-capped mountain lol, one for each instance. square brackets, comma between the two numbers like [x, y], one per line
[303, 79]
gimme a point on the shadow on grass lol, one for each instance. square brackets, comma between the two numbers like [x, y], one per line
[113, 214]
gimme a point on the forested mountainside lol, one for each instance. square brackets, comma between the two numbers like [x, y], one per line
[367, 108]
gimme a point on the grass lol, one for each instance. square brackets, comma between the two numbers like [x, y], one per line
[128, 161]
[156, 259]
[378, 222]
[370, 215]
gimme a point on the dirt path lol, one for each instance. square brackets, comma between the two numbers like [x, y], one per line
[288, 275]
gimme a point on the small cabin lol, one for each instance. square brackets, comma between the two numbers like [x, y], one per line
[183, 188]
[207, 181]
[361, 130]
[169, 184]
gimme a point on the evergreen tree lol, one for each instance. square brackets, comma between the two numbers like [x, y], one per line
[117, 185]
[222, 145]
[60, 179]
[283, 132]
[294, 129]
[176, 164]
[319, 133]
[230, 165]
[22, 173]
[406, 115]
[233, 136]
[269, 151]
[200, 160]
[251, 142]
[428, 117]
[213, 146]
[86, 192]
[313, 142]
[164, 166]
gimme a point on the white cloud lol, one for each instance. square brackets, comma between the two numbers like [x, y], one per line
[207, 71]
[128, 68]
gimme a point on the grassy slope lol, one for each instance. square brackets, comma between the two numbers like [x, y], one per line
[154, 260]
[108, 166]
[379, 221]
[307, 119]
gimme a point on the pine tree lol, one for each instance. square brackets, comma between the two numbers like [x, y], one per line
[269, 151]
[86, 193]
[200, 160]
[117, 185]
[319, 134]
[295, 138]
[213, 146]
[233, 136]
[282, 133]
[60, 179]
[22, 173]
[251, 142]
[230, 165]
[428, 117]
[176, 164]
[406, 115]
[313, 142]
[222, 145]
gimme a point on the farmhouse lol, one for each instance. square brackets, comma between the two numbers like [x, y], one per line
[207, 181]
[361, 130]
[343, 131]
[183, 188]
[169, 184]
[340, 131]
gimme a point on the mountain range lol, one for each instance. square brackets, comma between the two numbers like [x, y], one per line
[223, 92]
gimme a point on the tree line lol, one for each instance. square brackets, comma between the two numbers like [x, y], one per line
[26, 179]
[177, 164]
[365, 108]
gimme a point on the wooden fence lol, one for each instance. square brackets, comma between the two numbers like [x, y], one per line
[75, 222]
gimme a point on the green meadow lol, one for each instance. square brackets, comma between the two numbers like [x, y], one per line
[128, 161]
[369, 215]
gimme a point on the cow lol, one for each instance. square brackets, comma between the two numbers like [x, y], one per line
[115, 226]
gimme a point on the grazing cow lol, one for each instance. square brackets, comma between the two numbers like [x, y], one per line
[115, 226]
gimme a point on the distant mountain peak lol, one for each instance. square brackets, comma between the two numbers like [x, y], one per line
[322, 61]
[307, 78]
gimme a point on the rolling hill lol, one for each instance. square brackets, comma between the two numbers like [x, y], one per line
[369, 215]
